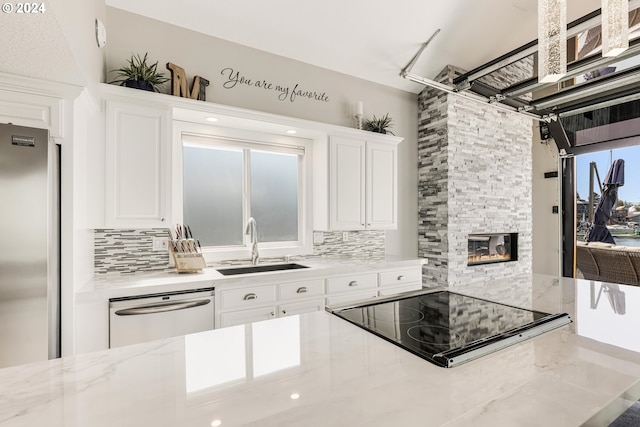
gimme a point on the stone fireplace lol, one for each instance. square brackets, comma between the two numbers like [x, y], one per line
[475, 177]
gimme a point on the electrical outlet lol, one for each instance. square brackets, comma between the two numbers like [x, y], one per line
[345, 236]
[160, 244]
[318, 237]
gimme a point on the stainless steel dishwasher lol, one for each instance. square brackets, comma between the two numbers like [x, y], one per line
[151, 317]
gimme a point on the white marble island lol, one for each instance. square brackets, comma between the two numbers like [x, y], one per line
[316, 369]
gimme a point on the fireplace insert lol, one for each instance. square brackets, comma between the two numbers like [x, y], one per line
[491, 248]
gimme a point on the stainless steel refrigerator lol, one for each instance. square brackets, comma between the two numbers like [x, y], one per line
[30, 248]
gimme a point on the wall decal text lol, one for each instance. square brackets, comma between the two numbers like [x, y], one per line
[291, 92]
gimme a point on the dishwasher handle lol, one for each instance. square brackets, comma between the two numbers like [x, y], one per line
[161, 308]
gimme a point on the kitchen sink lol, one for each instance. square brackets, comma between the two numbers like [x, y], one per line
[260, 269]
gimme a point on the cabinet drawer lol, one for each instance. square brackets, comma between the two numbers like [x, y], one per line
[352, 297]
[352, 283]
[399, 277]
[247, 297]
[301, 290]
[293, 308]
[392, 290]
[243, 317]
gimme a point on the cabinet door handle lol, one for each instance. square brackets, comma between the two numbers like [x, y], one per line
[284, 311]
[162, 219]
[250, 296]
[273, 314]
[353, 283]
[401, 277]
[302, 290]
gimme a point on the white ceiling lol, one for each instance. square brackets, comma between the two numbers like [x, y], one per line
[369, 39]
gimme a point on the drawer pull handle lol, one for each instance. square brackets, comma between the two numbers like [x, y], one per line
[302, 290]
[353, 283]
[401, 277]
[250, 296]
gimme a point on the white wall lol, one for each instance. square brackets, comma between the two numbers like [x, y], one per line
[546, 224]
[34, 45]
[208, 56]
[77, 21]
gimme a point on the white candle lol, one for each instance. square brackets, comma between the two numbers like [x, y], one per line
[359, 108]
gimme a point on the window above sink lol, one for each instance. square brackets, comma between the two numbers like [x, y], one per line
[229, 175]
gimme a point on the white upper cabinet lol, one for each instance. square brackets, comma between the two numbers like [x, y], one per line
[137, 165]
[347, 183]
[353, 175]
[381, 186]
[355, 183]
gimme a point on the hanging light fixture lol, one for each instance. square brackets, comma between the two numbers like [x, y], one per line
[552, 40]
[615, 27]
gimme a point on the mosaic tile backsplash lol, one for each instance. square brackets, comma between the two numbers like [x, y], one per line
[126, 251]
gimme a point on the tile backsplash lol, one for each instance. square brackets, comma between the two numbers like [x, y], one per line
[127, 251]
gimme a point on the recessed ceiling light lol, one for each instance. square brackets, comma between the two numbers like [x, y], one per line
[216, 423]
[295, 396]
[212, 119]
[291, 131]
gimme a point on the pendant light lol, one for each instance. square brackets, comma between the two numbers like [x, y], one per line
[552, 40]
[615, 27]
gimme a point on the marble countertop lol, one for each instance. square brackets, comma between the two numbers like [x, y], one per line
[319, 370]
[110, 285]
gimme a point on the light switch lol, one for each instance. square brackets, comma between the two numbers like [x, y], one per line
[160, 244]
[318, 237]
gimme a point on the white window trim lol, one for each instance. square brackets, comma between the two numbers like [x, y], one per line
[277, 143]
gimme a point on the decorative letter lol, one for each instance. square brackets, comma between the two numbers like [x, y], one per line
[178, 80]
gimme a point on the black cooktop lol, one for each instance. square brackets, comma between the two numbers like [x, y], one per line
[447, 328]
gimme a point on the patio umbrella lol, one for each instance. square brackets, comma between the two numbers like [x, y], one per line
[598, 231]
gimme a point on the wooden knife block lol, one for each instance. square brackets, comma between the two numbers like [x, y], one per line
[188, 262]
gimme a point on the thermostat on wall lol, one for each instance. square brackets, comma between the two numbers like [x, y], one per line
[101, 33]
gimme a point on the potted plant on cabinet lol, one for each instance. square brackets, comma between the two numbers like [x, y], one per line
[379, 125]
[140, 75]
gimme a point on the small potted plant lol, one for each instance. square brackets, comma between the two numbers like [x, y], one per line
[140, 75]
[379, 125]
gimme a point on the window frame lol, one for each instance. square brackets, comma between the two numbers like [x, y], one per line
[246, 140]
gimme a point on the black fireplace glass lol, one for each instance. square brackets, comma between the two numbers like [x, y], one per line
[492, 248]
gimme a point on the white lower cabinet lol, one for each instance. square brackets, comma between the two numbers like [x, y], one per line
[293, 308]
[355, 287]
[248, 297]
[242, 317]
[351, 283]
[392, 290]
[236, 306]
[399, 281]
[352, 297]
[300, 297]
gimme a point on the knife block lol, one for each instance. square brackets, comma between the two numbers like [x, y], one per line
[188, 262]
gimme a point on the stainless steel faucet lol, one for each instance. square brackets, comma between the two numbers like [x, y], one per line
[252, 232]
